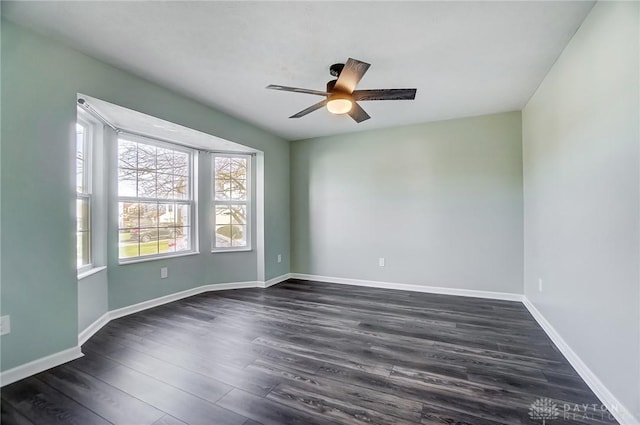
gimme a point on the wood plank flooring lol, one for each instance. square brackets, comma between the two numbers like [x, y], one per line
[310, 353]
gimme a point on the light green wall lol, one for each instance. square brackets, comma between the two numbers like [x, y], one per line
[441, 202]
[40, 80]
[582, 197]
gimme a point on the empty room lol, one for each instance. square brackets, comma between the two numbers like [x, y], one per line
[320, 212]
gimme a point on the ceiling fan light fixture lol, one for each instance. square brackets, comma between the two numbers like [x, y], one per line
[339, 103]
[341, 96]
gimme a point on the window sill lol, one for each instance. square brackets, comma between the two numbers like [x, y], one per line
[216, 251]
[90, 272]
[155, 258]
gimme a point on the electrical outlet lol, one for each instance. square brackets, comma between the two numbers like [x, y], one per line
[279, 258]
[164, 272]
[381, 261]
[5, 325]
[539, 284]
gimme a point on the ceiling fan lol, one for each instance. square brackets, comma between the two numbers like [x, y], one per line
[341, 94]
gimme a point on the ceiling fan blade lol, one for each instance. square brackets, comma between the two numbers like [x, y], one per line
[309, 109]
[297, 90]
[350, 75]
[385, 94]
[358, 114]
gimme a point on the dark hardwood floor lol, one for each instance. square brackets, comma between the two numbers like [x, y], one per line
[311, 353]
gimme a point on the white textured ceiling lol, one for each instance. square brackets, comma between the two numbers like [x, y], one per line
[465, 58]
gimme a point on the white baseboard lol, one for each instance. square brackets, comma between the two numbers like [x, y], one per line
[276, 280]
[134, 308]
[39, 365]
[411, 287]
[93, 328]
[617, 409]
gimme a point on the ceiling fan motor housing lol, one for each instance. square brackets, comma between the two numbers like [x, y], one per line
[336, 69]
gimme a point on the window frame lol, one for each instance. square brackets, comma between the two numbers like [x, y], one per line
[192, 200]
[87, 176]
[214, 203]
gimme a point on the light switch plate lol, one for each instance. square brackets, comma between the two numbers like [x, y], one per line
[5, 325]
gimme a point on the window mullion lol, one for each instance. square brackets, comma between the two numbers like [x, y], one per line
[152, 200]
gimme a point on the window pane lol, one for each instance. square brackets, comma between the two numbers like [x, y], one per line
[239, 236]
[127, 154]
[80, 158]
[181, 169]
[128, 245]
[83, 245]
[127, 182]
[164, 160]
[178, 243]
[83, 233]
[146, 157]
[124, 235]
[129, 215]
[183, 239]
[238, 168]
[181, 187]
[82, 215]
[181, 162]
[183, 233]
[80, 176]
[166, 221]
[166, 188]
[223, 236]
[146, 184]
[238, 214]
[230, 178]
[221, 166]
[170, 186]
[149, 243]
[166, 214]
[183, 215]
[238, 189]
[223, 215]
[168, 245]
[223, 189]
[148, 214]
[181, 175]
